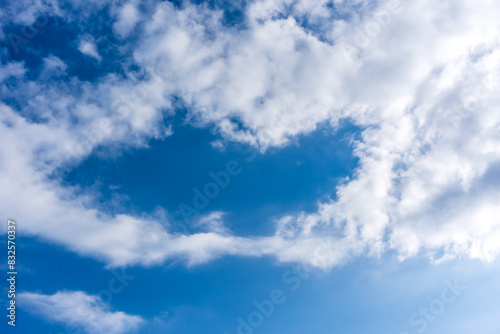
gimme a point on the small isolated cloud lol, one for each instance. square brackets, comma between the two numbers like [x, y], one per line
[76, 309]
[53, 67]
[88, 47]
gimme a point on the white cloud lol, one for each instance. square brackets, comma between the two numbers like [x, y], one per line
[128, 17]
[420, 84]
[53, 67]
[13, 69]
[88, 47]
[27, 12]
[78, 310]
[212, 222]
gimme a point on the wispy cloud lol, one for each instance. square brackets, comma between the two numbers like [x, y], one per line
[78, 310]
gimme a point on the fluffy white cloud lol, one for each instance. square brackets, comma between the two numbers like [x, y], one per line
[11, 70]
[419, 78]
[77, 310]
[128, 17]
[88, 47]
[428, 175]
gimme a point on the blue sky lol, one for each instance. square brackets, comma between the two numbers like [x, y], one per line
[251, 167]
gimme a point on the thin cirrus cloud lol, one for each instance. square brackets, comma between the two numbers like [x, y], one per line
[80, 312]
[418, 77]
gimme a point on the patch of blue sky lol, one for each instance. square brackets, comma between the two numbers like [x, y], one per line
[167, 173]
